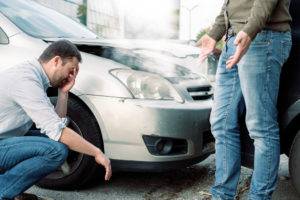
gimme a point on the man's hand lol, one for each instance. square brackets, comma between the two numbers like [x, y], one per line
[105, 162]
[77, 143]
[69, 82]
[242, 41]
[207, 45]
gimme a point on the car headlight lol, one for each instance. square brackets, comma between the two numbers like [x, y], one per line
[144, 85]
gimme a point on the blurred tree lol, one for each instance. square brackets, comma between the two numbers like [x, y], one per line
[82, 12]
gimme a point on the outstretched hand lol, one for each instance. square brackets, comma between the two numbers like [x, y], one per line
[207, 46]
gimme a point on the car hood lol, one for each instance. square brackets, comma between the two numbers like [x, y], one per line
[171, 60]
[176, 49]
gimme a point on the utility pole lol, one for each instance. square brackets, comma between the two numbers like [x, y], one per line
[190, 10]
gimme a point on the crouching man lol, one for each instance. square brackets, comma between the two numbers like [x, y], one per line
[24, 158]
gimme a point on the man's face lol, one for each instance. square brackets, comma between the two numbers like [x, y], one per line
[64, 69]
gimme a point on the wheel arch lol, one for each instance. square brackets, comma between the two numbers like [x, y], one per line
[290, 125]
[51, 92]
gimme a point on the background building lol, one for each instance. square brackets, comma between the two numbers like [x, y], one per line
[123, 18]
[68, 7]
[104, 18]
[100, 16]
[150, 19]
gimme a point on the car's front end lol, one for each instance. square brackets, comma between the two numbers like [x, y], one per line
[162, 126]
[163, 121]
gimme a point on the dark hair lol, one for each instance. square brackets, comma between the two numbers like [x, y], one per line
[62, 48]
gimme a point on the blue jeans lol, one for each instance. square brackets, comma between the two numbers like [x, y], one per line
[253, 85]
[26, 160]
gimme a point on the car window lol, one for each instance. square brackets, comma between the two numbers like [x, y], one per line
[3, 37]
[41, 22]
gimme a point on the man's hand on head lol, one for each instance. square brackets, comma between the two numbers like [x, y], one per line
[242, 42]
[69, 82]
[207, 45]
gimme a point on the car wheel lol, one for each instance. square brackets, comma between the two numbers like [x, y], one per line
[78, 169]
[294, 163]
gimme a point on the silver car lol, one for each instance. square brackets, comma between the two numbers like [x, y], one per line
[138, 101]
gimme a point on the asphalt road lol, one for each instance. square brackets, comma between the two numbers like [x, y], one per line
[190, 183]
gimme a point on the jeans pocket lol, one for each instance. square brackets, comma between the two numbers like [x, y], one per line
[261, 39]
[261, 42]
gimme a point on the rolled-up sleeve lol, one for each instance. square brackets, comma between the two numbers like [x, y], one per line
[32, 98]
[218, 29]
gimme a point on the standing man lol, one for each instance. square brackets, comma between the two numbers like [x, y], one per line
[25, 157]
[258, 42]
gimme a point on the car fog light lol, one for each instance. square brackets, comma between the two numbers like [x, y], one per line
[164, 146]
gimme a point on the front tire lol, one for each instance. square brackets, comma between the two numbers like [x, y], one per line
[294, 162]
[79, 169]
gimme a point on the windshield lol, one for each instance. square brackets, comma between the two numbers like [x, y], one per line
[42, 22]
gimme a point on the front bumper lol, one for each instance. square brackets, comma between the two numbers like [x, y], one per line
[124, 122]
[141, 166]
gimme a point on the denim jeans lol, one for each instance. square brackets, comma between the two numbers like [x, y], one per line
[26, 160]
[252, 86]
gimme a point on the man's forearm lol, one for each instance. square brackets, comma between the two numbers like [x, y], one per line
[218, 29]
[62, 104]
[77, 143]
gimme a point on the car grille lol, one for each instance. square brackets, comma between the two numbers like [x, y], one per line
[200, 92]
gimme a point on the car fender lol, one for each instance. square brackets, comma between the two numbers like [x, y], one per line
[291, 113]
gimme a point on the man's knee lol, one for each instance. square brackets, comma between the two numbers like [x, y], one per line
[59, 152]
[222, 124]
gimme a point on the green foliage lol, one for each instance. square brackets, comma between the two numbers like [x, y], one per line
[81, 13]
[202, 32]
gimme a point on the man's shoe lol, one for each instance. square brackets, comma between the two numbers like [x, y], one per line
[27, 196]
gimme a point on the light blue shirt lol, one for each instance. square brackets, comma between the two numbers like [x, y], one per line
[23, 100]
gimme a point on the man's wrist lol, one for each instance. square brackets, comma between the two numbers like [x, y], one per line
[61, 92]
[251, 29]
[98, 152]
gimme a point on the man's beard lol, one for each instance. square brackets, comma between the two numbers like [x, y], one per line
[59, 82]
